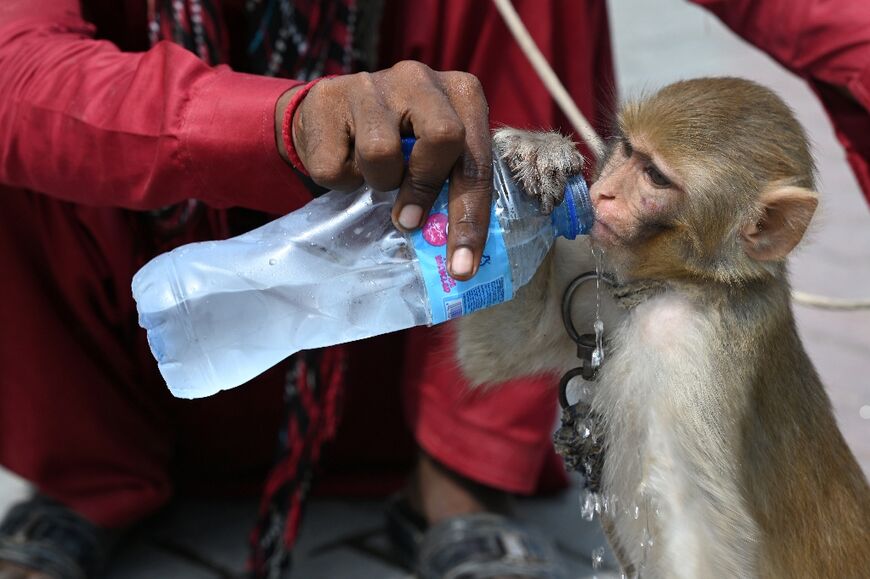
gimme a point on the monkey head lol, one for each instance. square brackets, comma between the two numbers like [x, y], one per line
[710, 179]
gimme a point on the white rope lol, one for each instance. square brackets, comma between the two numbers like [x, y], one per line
[549, 78]
[826, 303]
[584, 129]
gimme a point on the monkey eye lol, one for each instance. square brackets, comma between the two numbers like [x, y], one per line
[658, 180]
[627, 149]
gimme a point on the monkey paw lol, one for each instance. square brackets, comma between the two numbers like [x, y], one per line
[541, 162]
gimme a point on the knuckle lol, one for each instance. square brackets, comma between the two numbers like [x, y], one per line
[464, 84]
[446, 132]
[467, 82]
[477, 171]
[377, 148]
[411, 68]
[469, 231]
[362, 82]
[424, 188]
[325, 169]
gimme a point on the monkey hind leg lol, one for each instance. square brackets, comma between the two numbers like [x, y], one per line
[541, 162]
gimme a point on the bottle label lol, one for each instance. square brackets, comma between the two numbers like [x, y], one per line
[450, 298]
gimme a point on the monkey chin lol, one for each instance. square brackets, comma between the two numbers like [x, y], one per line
[603, 237]
[618, 259]
[601, 233]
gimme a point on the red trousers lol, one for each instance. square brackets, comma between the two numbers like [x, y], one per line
[85, 416]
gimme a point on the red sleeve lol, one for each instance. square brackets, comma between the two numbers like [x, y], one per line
[82, 121]
[825, 43]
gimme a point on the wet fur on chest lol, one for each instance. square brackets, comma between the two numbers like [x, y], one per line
[667, 474]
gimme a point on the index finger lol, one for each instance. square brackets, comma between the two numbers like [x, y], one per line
[470, 193]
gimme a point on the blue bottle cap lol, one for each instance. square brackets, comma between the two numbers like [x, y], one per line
[574, 216]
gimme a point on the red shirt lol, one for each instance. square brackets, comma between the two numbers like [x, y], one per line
[825, 43]
[83, 121]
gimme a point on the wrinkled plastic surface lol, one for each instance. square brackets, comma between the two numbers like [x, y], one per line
[219, 313]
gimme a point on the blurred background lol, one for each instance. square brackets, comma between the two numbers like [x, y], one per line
[655, 42]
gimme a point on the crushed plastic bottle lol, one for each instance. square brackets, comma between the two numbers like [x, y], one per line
[219, 313]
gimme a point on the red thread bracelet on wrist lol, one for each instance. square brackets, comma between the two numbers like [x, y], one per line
[287, 123]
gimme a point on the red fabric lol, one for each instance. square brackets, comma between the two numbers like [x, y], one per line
[95, 129]
[500, 438]
[471, 36]
[83, 412]
[825, 43]
[486, 433]
[84, 122]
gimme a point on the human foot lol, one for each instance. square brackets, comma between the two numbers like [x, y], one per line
[438, 493]
[12, 571]
[447, 526]
[43, 539]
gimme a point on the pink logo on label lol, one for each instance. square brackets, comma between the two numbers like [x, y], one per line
[447, 282]
[435, 229]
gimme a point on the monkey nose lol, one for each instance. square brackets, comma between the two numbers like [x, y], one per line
[596, 197]
[597, 191]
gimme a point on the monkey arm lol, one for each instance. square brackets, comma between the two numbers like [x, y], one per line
[525, 336]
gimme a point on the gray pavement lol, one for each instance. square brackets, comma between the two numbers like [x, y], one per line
[656, 41]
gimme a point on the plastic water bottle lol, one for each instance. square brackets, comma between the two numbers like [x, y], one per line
[219, 313]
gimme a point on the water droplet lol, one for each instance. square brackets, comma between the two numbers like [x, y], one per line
[644, 538]
[635, 511]
[597, 557]
[864, 412]
[598, 353]
[587, 506]
[273, 261]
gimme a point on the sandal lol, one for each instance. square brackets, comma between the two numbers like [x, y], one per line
[474, 546]
[44, 535]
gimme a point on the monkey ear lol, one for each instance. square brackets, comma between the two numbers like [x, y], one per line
[786, 213]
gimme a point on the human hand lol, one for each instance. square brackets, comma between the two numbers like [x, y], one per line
[348, 130]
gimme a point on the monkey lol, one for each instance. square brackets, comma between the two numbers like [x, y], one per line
[722, 454]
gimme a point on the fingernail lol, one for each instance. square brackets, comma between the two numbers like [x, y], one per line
[410, 215]
[462, 262]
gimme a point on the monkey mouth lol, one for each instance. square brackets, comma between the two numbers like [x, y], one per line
[602, 233]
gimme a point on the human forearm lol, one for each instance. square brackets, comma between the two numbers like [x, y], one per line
[83, 121]
[811, 38]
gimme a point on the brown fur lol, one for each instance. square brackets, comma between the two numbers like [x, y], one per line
[742, 195]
